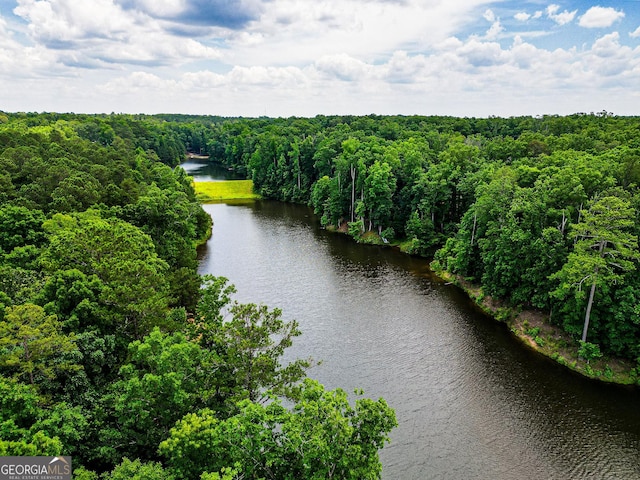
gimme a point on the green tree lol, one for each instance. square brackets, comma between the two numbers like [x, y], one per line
[604, 250]
[29, 339]
[20, 226]
[249, 342]
[326, 200]
[19, 406]
[76, 193]
[137, 470]
[38, 444]
[133, 291]
[321, 437]
[255, 339]
[166, 377]
[380, 186]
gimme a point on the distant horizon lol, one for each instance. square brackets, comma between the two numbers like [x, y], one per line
[598, 113]
[284, 58]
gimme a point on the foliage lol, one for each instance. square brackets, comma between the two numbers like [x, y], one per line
[119, 261]
[98, 268]
[322, 436]
[20, 226]
[29, 339]
[166, 377]
[605, 249]
[589, 351]
[248, 342]
[137, 470]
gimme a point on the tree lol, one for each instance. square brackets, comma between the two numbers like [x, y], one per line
[604, 250]
[131, 287]
[325, 198]
[348, 158]
[166, 377]
[137, 470]
[249, 341]
[37, 445]
[380, 186]
[321, 437]
[20, 226]
[76, 193]
[255, 339]
[29, 339]
[175, 222]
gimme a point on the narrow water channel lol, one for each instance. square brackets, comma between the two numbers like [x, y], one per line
[471, 402]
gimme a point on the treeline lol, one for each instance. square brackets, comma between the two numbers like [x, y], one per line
[115, 351]
[542, 212]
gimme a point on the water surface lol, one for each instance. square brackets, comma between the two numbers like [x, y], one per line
[471, 401]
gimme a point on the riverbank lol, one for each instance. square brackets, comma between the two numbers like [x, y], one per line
[533, 328]
[535, 331]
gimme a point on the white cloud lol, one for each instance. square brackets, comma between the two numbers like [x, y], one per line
[20, 61]
[457, 77]
[99, 33]
[59, 21]
[600, 17]
[284, 77]
[202, 80]
[489, 16]
[607, 46]
[611, 59]
[561, 18]
[495, 30]
[524, 16]
[358, 28]
[343, 67]
[305, 58]
[496, 27]
[160, 8]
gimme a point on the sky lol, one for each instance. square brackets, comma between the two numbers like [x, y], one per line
[282, 58]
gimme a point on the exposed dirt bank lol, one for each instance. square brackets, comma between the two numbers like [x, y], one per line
[535, 331]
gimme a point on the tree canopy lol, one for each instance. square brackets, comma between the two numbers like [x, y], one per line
[113, 348]
[110, 341]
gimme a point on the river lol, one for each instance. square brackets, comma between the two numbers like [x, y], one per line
[471, 401]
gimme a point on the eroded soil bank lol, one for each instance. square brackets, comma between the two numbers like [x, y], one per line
[535, 331]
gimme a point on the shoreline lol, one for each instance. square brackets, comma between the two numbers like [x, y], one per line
[531, 327]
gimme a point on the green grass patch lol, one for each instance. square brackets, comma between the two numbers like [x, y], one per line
[209, 192]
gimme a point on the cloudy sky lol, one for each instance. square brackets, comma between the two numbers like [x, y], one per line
[309, 57]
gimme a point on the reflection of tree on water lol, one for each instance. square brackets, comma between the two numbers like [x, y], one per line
[205, 170]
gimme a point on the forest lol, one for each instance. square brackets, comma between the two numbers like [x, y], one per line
[114, 350]
[540, 212]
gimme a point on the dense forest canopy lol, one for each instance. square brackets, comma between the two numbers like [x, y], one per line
[513, 204]
[114, 350]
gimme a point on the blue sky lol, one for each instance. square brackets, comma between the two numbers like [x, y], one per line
[309, 57]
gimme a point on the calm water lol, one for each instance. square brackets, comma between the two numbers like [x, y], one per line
[471, 402]
[208, 172]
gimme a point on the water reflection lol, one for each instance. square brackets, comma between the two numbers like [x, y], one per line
[208, 171]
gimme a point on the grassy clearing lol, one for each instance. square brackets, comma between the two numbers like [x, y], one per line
[209, 192]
